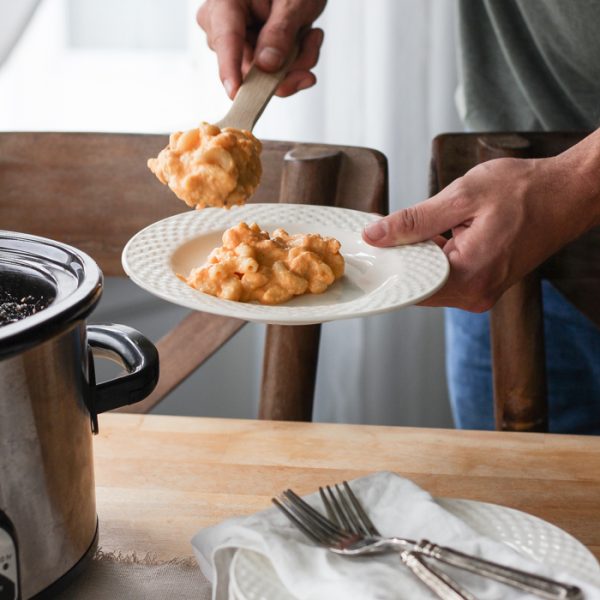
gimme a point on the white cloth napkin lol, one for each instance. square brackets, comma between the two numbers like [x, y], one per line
[397, 507]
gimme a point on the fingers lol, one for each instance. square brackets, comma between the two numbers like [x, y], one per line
[231, 28]
[452, 292]
[294, 82]
[225, 25]
[440, 241]
[476, 279]
[420, 222]
[300, 76]
[456, 291]
[310, 47]
[450, 209]
[280, 32]
[277, 37]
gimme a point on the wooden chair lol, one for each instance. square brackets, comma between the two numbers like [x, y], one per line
[518, 362]
[94, 191]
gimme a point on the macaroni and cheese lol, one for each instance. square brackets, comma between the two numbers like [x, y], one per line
[209, 166]
[253, 266]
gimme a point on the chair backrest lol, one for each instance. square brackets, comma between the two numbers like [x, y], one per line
[94, 191]
[518, 360]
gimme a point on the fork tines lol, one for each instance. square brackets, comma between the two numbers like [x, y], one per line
[344, 508]
[312, 523]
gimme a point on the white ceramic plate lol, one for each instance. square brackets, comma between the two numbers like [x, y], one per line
[376, 280]
[252, 577]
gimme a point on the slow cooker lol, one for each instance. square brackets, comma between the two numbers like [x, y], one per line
[49, 402]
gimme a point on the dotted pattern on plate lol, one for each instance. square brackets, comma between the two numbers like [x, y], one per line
[254, 578]
[529, 535]
[146, 260]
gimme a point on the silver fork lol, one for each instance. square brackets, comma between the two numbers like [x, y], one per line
[348, 513]
[324, 532]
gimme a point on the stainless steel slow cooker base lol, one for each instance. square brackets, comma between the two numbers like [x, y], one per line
[72, 574]
[49, 401]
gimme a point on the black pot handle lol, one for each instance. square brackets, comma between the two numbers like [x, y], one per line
[133, 351]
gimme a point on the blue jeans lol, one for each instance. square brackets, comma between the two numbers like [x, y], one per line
[572, 367]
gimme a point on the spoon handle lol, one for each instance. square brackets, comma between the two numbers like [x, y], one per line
[254, 94]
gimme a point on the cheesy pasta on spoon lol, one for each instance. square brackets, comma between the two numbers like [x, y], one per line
[209, 166]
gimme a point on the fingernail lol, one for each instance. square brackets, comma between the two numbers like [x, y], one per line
[228, 85]
[270, 57]
[376, 231]
[305, 83]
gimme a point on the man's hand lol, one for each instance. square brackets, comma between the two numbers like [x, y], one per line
[264, 31]
[506, 215]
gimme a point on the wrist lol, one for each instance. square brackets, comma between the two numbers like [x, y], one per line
[578, 173]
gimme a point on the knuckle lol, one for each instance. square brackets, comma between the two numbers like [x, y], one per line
[202, 16]
[281, 29]
[470, 290]
[456, 186]
[481, 305]
[483, 296]
[460, 201]
[223, 38]
[475, 302]
[315, 8]
[409, 220]
[460, 195]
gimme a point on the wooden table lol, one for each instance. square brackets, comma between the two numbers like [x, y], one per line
[160, 479]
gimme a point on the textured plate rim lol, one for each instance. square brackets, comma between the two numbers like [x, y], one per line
[446, 503]
[290, 315]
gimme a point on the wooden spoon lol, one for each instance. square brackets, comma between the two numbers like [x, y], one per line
[254, 95]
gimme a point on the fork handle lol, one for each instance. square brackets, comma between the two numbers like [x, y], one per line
[437, 581]
[528, 582]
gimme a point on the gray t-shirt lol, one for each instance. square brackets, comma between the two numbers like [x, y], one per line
[529, 64]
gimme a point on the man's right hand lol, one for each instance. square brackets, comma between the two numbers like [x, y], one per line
[263, 31]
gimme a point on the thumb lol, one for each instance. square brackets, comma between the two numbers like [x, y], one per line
[417, 223]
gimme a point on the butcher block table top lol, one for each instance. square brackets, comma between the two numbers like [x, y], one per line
[159, 479]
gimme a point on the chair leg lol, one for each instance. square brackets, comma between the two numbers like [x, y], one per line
[517, 331]
[309, 176]
[289, 372]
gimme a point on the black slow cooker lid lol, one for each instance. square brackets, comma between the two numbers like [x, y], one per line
[43, 273]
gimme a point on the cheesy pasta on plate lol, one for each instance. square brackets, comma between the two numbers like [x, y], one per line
[252, 265]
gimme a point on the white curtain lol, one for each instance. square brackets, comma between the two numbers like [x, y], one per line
[386, 80]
